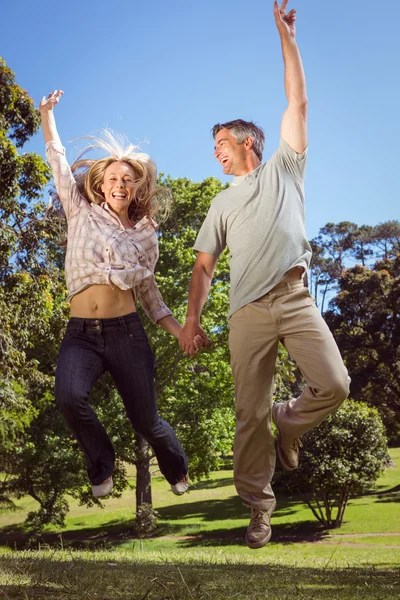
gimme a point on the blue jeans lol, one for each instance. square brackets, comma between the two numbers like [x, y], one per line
[89, 348]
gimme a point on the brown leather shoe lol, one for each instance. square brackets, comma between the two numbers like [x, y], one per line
[259, 531]
[287, 447]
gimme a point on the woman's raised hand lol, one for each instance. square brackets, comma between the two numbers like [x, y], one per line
[50, 102]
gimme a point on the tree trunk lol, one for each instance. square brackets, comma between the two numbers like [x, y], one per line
[143, 477]
[328, 511]
[344, 498]
[317, 510]
[323, 298]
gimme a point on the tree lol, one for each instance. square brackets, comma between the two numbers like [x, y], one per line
[330, 249]
[37, 454]
[22, 178]
[33, 315]
[43, 461]
[386, 238]
[365, 320]
[340, 246]
[361, 242]
[195, 396]
[342, 457]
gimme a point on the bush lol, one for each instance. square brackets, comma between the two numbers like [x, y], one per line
[343, 456]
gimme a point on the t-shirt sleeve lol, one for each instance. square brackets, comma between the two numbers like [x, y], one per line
[212, 235]
[293, 163]
[64, 180]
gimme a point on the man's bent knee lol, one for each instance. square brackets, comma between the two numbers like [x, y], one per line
[339, 389]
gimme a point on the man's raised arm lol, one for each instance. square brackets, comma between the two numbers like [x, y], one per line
[294, 120]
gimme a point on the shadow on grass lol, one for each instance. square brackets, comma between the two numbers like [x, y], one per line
[113, 533]
[117, 532]
[383, 500]
[212, 484]
[306, 531]
[388, 495]
[64, 575]
[225, 509]
[199, 533]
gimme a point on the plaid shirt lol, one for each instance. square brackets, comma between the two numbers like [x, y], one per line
[100, 250]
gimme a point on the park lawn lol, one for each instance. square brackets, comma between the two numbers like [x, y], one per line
[198, 551]
[190, 575]
[389, 541]
[211, 515]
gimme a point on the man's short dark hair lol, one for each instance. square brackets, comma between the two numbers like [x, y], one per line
[241, 130]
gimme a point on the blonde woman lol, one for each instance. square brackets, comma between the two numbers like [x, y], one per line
[112, 251]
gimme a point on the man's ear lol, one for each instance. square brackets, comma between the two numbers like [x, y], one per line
[249, 143]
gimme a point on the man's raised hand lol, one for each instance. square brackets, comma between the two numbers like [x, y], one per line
[285, 22]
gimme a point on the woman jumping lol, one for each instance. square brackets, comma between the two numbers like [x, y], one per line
[112, 250]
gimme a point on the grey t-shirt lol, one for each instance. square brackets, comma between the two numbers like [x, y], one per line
[261, 219]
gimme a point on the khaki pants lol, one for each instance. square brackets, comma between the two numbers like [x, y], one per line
[286, 314]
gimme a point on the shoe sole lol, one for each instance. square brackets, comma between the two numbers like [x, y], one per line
[185, 484]
[260, 544]
[101, 494]
[179, 493]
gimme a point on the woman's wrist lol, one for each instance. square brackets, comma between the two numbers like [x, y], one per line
[171, 325]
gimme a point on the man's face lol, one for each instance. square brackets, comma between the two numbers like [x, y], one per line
[230, 154]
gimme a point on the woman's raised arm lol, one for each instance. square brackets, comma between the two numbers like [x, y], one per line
[64, 181]
[46, 108]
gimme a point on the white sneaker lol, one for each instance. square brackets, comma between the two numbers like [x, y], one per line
[99, 491]
[181, 487]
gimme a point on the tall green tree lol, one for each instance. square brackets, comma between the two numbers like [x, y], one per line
[22, 178]
[339, 246]
[365, 320]
[37, 454]
[31, 292]
[330, 249]
[386, 238]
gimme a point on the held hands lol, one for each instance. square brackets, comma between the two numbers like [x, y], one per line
[285, 22]
[50, 102]
[192, 337]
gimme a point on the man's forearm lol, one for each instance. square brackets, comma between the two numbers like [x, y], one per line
[198, 292]
[295, 81]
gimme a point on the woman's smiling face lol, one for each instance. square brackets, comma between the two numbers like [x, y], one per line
[119, 186]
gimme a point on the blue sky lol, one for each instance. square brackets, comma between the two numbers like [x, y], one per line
[166, 72]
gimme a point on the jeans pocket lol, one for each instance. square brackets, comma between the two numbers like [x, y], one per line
[136, 331]
[139, 342]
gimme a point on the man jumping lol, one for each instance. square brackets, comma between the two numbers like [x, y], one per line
[260, 217]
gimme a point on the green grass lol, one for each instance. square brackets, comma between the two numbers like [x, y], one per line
[198, 550]
[128, 576]
[213, 510]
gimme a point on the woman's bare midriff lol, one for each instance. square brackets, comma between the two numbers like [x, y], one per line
[102, 302]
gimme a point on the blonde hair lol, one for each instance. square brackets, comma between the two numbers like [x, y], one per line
[149, 200]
